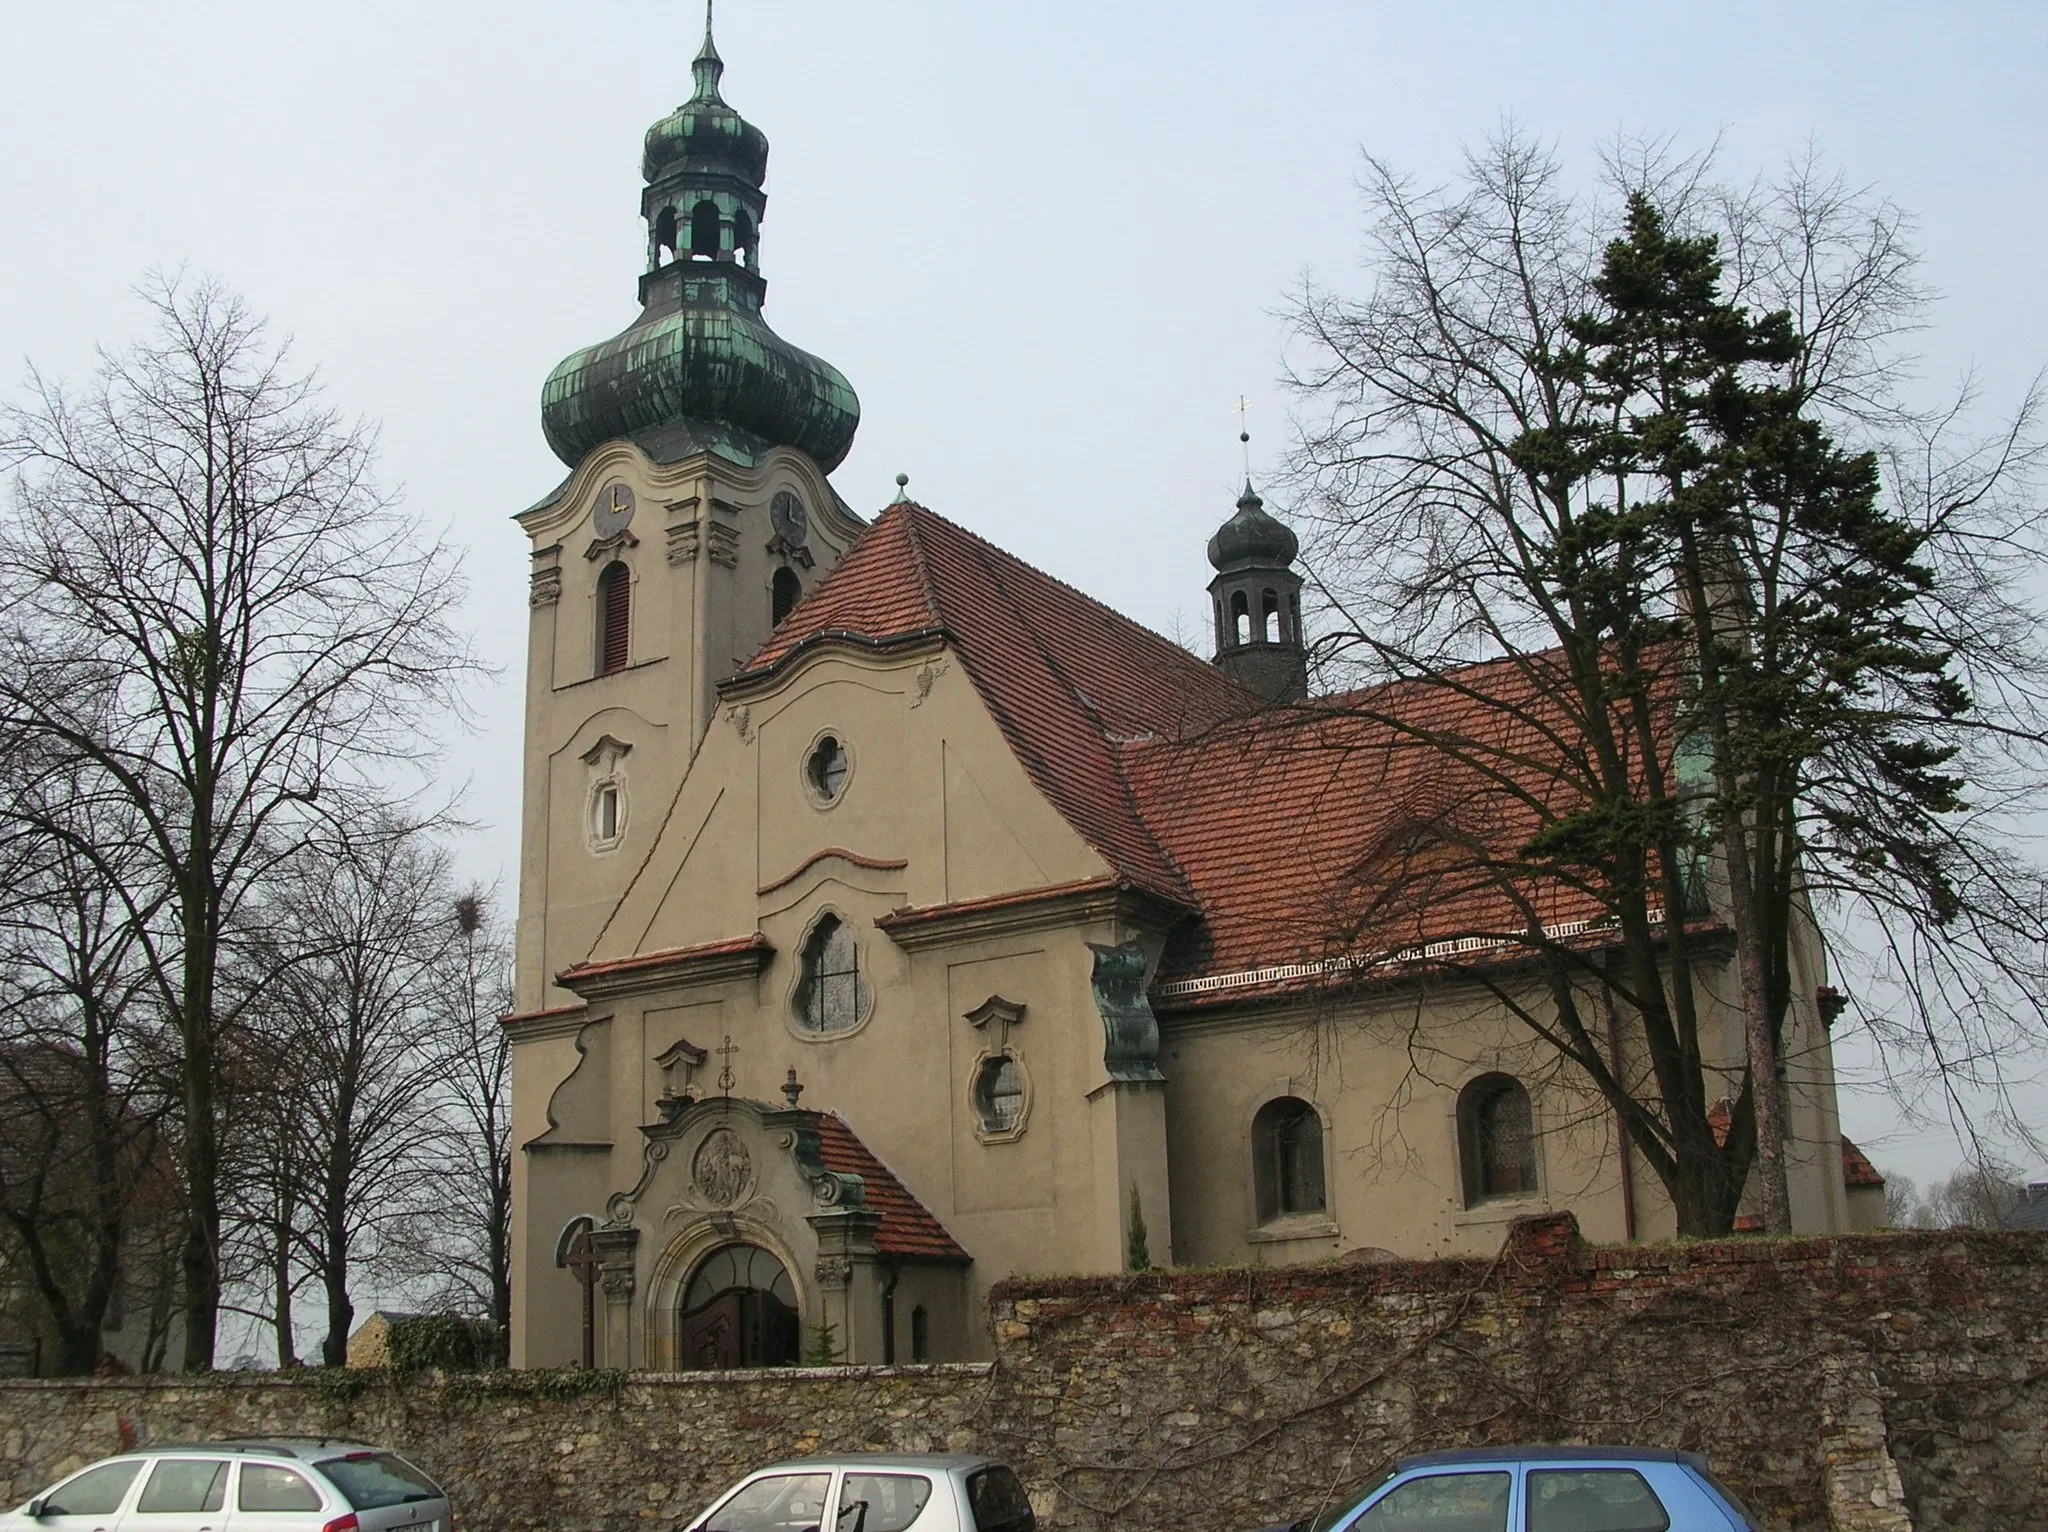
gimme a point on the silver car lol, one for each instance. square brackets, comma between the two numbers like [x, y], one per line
[874, 1492]
[286, 1485]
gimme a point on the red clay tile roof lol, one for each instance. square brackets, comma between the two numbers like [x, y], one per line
[908, 1230]
[1068, 680]
[1260, 821]
[1856, 1167]
[1322, 830]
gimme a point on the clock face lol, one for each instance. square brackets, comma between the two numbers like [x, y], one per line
[787, 512]
[614, 508]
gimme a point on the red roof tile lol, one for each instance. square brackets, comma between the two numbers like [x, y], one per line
[908, 1230]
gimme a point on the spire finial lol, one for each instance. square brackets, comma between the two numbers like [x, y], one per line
[902, 490]
[1244, 437]
[707, 66]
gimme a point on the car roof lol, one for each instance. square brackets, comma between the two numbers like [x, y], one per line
[306, 1448]
[936, 1461]
[1540, 1454]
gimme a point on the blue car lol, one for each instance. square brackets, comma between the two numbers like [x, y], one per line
[1541, 1489]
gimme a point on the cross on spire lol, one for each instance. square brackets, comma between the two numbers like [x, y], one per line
[1244, 434]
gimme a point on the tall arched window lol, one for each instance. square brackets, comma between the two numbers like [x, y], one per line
[665, 231]
[784, 592]
[614, 618]
[1496, 1139]
[743, 239]
[1287, 1159]
[1240, 618]
[1269, 618]
[831, 993]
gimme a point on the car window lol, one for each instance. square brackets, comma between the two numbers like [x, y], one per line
[881, 1502]
[265, 1487]
[782, 1502]
[1442, 1502]
[998, 1501]
[369, 1481]
[96, 1492]
[184, 1484]
[1593, 1500]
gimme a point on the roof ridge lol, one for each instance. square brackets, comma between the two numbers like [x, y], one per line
[1193, 661]
[919, 556]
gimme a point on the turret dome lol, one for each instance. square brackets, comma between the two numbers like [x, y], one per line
[1251, 537]
[705, 134]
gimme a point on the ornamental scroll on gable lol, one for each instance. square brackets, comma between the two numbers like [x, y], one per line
[1130, 1032]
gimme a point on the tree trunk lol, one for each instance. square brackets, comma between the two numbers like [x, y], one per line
[1767, 1086]
[199, 1259]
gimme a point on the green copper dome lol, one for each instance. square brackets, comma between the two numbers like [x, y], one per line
[704, 133]
[710, 364]
[700, 369]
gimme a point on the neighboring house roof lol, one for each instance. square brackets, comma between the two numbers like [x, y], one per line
[1856, 1167]
[1258, 820]
[2031, 1213]
[908, 1230]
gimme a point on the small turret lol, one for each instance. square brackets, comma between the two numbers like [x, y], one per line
[1257, 596]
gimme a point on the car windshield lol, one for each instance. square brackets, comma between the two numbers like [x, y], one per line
[783, 1502]
[372, 1480]
[1330, 1515]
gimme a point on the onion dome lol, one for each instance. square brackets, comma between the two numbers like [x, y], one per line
[1252, 538]
[700, 370]
[704, 133]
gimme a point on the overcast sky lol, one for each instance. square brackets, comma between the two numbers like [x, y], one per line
[1046, 242]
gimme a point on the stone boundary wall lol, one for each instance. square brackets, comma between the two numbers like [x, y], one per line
[1873, 1382]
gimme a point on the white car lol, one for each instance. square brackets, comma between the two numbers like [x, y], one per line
[874, 1492]
[286, 1485]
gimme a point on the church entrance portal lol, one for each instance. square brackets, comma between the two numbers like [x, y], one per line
[739, 1310]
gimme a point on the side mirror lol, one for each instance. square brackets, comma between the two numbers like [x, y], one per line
[34, 1509]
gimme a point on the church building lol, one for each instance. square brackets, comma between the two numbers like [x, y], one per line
[894, 918]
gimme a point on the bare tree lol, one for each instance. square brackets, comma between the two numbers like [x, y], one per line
[460, 1253]
[82, 1099]
[210, 607]
[1980, 1196]
[1694, 664]
[350, 1025]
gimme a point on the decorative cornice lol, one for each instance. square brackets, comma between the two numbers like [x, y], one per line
[713, 963]
[1037, 909]
[748, 682]
[1441, 959]
[872, 863]
[556, 1021]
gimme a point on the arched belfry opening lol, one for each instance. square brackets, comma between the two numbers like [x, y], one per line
[704, 231]
[785, 591]
[614, 618]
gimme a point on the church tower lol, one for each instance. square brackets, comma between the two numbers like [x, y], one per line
[696, 515]
[1257, 596]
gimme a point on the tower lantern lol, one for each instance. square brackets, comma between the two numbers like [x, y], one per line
[1257, 597]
